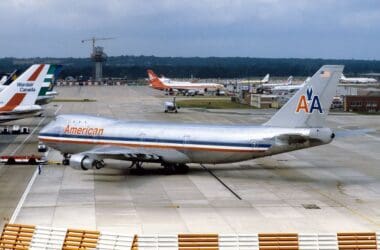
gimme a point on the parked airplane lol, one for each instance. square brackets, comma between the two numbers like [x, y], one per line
[285, 92]
[170, 85]
[289, 89]
[86, 141]
[344, 79]
[17, 100]
[262, 81]
[46, 93]
[270, 86]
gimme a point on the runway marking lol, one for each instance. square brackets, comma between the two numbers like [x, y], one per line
[32, 180]
[31, 133]
[221, 182]
[23, 197]
[58, 109]
[27, 138]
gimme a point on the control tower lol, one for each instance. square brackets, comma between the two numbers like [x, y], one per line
[98, 56]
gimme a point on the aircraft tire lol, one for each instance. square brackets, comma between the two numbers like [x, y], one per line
[169, 169]
[181, 168]
[99, 164]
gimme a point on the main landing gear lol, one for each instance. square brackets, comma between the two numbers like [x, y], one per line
[169, 168]
[139, 170]
[175, 168]
[66, 159]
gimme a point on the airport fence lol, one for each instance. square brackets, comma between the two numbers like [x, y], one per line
[23, 237]
[89, 83]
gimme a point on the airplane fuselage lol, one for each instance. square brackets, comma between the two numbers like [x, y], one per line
[179, 143]
[189, 86]
[6, 117]
[358, 80]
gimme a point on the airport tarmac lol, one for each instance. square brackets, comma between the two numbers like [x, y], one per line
[324, 189]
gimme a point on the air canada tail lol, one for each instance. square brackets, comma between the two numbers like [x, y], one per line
[24, 90]
[310, 105]
[50, 77]
[154, 81]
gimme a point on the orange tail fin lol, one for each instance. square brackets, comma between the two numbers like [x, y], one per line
[154, 81]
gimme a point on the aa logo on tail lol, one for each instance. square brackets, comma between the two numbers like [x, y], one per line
[309, 103]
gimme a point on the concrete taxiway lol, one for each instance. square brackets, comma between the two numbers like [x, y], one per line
[325, 189]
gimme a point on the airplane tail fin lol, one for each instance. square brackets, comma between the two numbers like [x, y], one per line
[151, 75]
[266, 78]
[24, 90]
[289, 81]
[310, 105]
[3, 79]
[154, 81]
[50, 78]
[13, 76]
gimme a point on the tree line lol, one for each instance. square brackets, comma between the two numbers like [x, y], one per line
[134, 67]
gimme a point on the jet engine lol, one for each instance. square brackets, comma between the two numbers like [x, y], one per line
[85, 162]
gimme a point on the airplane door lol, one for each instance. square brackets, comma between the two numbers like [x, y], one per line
[142, 137]
[185, 142]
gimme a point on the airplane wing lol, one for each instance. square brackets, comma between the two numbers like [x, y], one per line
[134, 154]
[125, 153]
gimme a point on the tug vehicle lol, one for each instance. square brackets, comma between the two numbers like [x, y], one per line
[23, 159]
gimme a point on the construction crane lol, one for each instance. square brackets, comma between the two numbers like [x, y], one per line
[94, 39]
[98, 56]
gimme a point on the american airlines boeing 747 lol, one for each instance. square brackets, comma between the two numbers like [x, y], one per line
[86, 141]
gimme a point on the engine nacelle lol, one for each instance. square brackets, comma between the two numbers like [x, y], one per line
[85, 162]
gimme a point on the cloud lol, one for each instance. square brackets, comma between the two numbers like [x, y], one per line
[267, 28]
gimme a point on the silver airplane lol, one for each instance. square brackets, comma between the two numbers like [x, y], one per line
[86, 141]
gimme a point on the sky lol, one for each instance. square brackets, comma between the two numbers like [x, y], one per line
[343, 29]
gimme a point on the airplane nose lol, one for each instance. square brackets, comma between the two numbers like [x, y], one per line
[49, 128]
